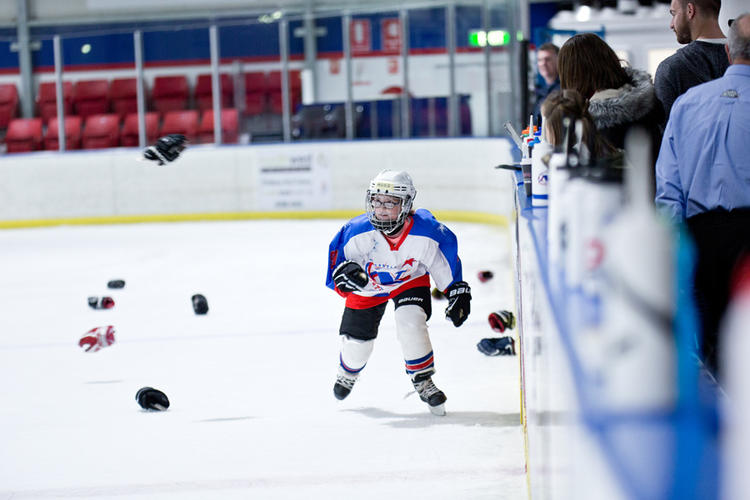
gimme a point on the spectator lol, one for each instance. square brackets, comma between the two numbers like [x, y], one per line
[546, 63]
[619, 97]
[703, 177]
[695, 23]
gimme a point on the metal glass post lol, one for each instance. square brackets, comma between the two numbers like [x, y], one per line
[59, 94]
[405, 123]
[346, 23]
[487, 72]
[522, 23]
[24, 60]
[213, 33]
[311, 48]
[284, 50]
[450, 42]
[140, 89]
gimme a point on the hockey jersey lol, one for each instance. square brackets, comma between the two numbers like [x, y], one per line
[427, 248]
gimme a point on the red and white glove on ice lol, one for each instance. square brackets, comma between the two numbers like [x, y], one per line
[502, 320]
[97, 338]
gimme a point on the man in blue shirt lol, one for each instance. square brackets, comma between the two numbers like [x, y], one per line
[703, 178]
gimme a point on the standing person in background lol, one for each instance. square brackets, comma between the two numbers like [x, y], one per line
[390, 252]
[546, 63]
[703, 177]
[618, 97]
[695, 23]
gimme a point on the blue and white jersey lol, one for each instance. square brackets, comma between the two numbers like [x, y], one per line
[427, 247]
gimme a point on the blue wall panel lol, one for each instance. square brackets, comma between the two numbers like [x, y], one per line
[182, 45]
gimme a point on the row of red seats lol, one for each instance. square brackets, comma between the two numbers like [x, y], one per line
[105, 130]
[169, 93]
[8, 104]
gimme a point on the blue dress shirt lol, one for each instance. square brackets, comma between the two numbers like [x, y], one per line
[704, 160]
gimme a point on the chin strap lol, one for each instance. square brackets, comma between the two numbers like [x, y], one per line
[395, 230]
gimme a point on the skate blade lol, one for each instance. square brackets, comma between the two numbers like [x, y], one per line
[438, 410]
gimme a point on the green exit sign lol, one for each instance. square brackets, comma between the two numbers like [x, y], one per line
[493, 38]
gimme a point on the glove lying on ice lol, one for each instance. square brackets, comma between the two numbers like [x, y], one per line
[101, 302]
[166, 149]
[97, 338]
[152, 399]
[350, 277]
[502, 320]
[503, 346]
[459, 302]
[485, 276]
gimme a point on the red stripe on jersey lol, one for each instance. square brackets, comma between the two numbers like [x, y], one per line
[354, 301]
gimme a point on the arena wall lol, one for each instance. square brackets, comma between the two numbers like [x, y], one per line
[321, 179]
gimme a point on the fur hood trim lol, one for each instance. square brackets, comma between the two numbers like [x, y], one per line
[628, 104]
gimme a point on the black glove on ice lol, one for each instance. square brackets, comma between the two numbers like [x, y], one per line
[350, 277]
[166, 149]
[152, 399]
[459, 302]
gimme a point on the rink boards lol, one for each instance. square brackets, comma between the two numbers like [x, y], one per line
[304, 180]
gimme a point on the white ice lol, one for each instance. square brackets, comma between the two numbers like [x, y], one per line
[252, 411]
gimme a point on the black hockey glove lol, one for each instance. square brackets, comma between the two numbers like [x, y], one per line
[459, 302]
[152, 399]
[166, 149]
[350, 277]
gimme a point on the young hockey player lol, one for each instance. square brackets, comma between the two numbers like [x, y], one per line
[390, 252]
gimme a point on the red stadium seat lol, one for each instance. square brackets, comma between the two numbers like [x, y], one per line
[24, 134]
[229, 126]
[274, 90]
[170, 93]
[129, 134]
[91, 97]
[256, 88]
[101, 131]
[204, 91]
[180, 122]
[8, 104]
[123, 93]
[73, 125]
[46, 100]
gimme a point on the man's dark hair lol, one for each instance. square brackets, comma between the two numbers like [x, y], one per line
[549, 47]
[707, 7]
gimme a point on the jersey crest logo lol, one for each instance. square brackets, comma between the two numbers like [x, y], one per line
[390, 275]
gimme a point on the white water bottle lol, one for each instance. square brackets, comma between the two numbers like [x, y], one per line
[540, 174]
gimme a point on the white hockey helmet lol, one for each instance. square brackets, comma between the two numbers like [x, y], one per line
[391, 183]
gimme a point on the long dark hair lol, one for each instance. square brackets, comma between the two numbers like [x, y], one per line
[587, 64]
[570, 104]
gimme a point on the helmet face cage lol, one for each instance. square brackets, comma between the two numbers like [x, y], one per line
[390, 183]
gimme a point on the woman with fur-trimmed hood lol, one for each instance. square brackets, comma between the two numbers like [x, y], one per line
[618, 97]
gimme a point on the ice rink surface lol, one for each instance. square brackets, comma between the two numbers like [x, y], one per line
[252, 410]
